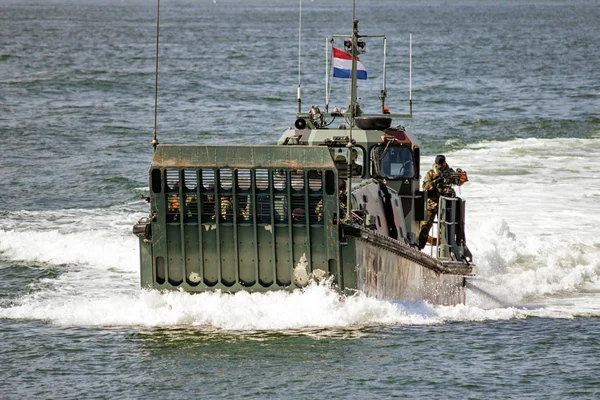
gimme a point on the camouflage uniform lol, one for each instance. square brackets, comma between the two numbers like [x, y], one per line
[437, 182]
[319, 210]
[227, 209]
[343, 200]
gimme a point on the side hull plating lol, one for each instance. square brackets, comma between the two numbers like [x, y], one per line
[400, 273]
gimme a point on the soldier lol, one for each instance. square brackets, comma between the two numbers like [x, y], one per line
[227, 209]
[319, 210]
[173, 207]
[343, 200]
[438, 182]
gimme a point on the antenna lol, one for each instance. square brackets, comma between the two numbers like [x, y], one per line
[327, 51]
[155, 140]
[383, 93]
[299, 53]
[410, 73]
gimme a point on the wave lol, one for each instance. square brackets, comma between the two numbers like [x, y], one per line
[533, 236]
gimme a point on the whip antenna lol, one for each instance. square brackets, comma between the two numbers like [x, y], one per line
[155, 140]
[299, 50]
[410, 73]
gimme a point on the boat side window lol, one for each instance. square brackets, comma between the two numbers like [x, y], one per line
[358, 161]
[394, 162]
[156, 181]
[340, 158]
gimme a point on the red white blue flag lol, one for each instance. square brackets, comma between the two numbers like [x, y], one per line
[342, 65]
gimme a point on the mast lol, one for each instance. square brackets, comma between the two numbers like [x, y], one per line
[155, 140]
[299, 58]
[353, 112]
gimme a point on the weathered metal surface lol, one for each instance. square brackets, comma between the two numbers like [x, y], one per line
[243, 223]
[389, 270]
[409, 252]
[182, 156]
[263, 218]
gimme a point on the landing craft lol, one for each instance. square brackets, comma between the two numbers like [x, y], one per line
[341, 202]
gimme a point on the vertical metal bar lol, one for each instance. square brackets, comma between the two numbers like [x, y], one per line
[288, 184]
[307, 216]
[200, 209]
[181, 224]
[384, 63]
[272, 210]
[254, 222]
[217, 188]
[235, 210]
[383, 85]
[165, 248]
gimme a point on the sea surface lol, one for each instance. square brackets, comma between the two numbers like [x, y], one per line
[507, 90]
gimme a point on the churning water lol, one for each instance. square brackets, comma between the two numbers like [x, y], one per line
[509, 91]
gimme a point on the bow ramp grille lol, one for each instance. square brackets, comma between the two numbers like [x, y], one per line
[235, 227]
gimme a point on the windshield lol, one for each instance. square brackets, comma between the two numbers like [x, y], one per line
[396, 162]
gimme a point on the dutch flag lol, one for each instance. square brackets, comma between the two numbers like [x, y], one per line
[342, 65]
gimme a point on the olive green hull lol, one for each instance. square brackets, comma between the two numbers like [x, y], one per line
[387, 269]
[265, 218]
[372, 264]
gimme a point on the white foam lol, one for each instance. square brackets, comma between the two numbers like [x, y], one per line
[533, 213]
[532, 218]
[317, 306]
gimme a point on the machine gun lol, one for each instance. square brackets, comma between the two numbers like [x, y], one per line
[449, 177]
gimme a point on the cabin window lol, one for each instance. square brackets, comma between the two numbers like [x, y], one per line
[156, 181]
[358, 157]
[393, 162]
[346, 161]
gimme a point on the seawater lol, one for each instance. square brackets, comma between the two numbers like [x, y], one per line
[509, 91]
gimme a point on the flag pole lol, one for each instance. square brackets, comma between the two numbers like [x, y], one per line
[326, 74]
[353, 110]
